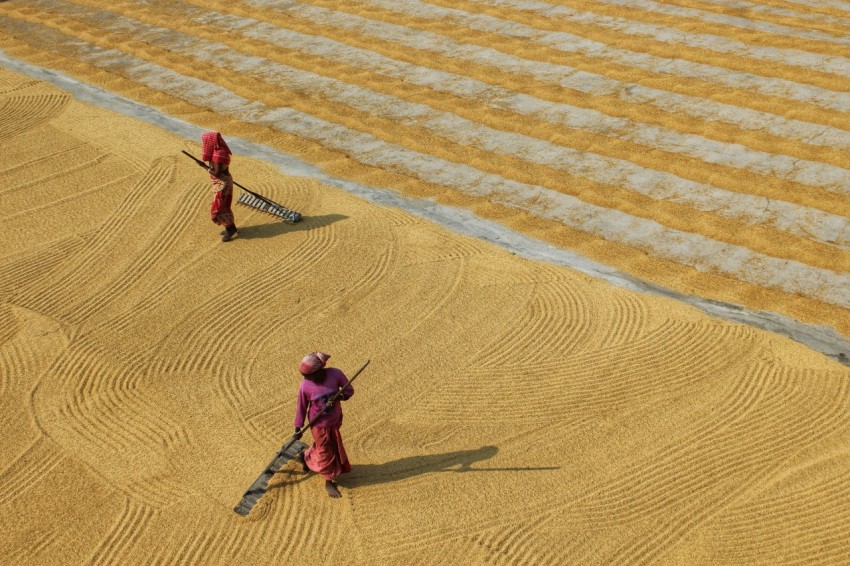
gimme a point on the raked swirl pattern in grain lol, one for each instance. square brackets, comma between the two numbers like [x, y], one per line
[710, 162]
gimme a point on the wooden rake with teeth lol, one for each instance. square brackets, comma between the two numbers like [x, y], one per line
[288, 451]
[256, 200]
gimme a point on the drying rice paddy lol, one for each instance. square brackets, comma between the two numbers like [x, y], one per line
[515, 411]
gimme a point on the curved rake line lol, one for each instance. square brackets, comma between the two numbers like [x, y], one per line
[39, 544]
[28, 469]
[595, 398]
[98, 411]
[629, 311]
[550, 515]
[49, 294]
[190, 548]
[275, 280]
[362, 287]
[537, 327]
[36, 264]
[830, 411]
[179, 221]
[115, 396]
[91, 426]
[460, 248]
[823, 540]
[290, 528]
[738, 402]
[821, 488]
[86, 309]
[45, 158]
[83, 310]
[9, 363]
[237, 379]
[681, 367]
[124, 534]
[159, 492]
[61, 201]
[577, 305]
[16, 360]
[498, 345]
[29, 112]
[15, 85]
[804, 511]
[146, 418]
[266, 285]
[77, 167]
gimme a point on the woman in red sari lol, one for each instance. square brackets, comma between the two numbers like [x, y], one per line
[326, 456]
[217, 154]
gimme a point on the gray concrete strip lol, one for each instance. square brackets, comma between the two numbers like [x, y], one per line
[571, 43]
[721, 44]
[834, 4]
[562, 75]
[570, 116]
[693, 14]
[781, 12]
[685, 248]
[796, 57]
[821, 338]
[797, 220]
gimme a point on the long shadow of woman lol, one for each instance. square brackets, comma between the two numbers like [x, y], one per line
[411, 466]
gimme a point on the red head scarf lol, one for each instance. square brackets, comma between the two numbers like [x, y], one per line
[215, 148]
[313, 362]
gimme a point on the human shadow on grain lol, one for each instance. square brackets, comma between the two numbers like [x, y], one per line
[404, 468]
[272, 229]
[362, 475]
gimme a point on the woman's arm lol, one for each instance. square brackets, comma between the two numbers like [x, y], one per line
[347, 388]
[301, 408]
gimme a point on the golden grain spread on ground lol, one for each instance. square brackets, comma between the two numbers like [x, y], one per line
[514, 411]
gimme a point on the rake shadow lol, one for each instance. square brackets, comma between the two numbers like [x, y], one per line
[272, 229]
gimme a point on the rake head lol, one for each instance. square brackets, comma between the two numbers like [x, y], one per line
[269, 207]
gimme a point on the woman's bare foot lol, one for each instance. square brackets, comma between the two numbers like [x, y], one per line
[332, 489]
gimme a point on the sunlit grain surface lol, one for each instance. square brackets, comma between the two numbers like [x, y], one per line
[514, 412]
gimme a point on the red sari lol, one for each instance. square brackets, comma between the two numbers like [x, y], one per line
[220, 211]
[327, 456]
[215, 150]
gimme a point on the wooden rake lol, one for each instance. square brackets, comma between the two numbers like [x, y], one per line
[256, 200]
[288, 451]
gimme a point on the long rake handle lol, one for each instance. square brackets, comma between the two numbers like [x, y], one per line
[332, 401]
[249, 191]
[327, 407]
